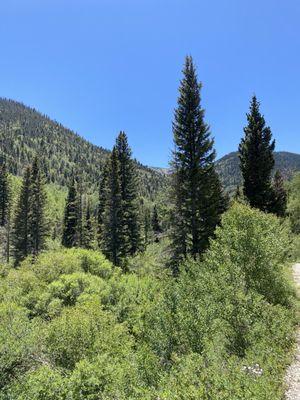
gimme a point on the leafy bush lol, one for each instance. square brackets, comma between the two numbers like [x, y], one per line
[49, 266]
[252, 248]
[17, 342]
[224, 309]
[294, 203]
[72, 327]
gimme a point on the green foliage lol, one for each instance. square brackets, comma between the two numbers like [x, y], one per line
[37, 222]
[73, 327]
[118, 210]
[228, 168]
[88, 239]
[113, 238]
[4, 195]
[219, 320]
[257, 159]
[70, 236]
[296, 252]
[279, 204]
[25, 133]
[294, 203]
[30, 225]
[197, 193]
[21, 228]
[16, 341]
[129, 195]
[259, 243]
[156, 226]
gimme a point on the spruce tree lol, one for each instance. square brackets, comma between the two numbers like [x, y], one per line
[88, 231]
[113, 235]
[80, 226]
[70, 225]
[257, 159]
[38, 227]
[102, 202]
[20, 237]
[155, 221]
[5, 210]
[128, 181]
[147, 226]
[4, 195]
[279, 202]
[196, 190]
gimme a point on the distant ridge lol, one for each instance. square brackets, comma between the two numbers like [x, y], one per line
[228, 167]
[25, 132]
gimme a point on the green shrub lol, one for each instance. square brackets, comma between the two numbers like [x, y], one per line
[72, 327]
[253, 248]
[293, 208]
[17, 342]
[83, 332]
[50, 265]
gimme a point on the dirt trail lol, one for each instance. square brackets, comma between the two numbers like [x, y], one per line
[293, 372]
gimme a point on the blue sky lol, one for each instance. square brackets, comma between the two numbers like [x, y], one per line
[100, 66]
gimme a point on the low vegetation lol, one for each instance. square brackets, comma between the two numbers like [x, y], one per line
[75, 327]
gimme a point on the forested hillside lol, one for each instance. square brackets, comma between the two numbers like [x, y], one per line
[229, 169]
[24, 132]
[123, 293]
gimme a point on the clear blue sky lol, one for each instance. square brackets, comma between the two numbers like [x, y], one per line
[100, 66]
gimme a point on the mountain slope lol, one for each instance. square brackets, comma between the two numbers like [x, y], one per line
[25, 132]
[229, 170]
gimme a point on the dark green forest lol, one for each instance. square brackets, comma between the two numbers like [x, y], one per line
[24, 132]
[119, 281]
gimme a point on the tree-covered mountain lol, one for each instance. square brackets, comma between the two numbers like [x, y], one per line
[228, 167]
[25, 132]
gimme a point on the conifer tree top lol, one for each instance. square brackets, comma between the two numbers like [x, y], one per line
[191, 134]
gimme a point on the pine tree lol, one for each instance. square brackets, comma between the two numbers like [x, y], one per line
[20, 237]
[5, 210]
[279, 202]
[113, 235]
[80, 226]
[102, 202]
[128, 181]
[155, 221]
[70, 225]
[38, 227]
[196, 190]
[257, 159]
[88, 232]
[146, 226]
[4, 195]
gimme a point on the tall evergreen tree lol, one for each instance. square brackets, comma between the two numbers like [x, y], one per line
[20, 237]
[4, 195]
[197, 192]
[128, 181]
[70, 225]
[38, 227]
[102, 202]
[80, 217]
[5, 210]
[88, 231]
[257, 159]
[279, 203]
[155, 221]
[113, 235]
[146, 226]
